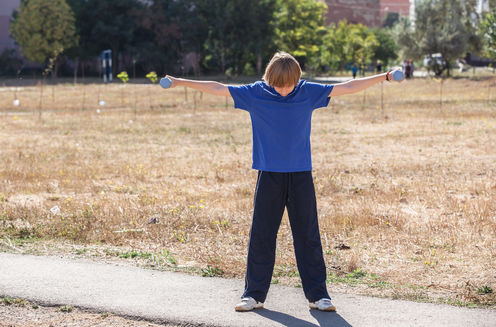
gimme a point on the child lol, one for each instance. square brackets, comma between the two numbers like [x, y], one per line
[281, 109]
[354, 70]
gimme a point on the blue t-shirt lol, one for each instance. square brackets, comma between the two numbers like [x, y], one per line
[281, 124]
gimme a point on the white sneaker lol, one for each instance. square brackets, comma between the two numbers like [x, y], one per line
[248, 304]
[322, 305]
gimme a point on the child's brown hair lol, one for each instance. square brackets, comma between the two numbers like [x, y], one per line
[282, 70]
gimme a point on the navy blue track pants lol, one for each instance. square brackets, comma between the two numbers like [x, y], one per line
[274, 192]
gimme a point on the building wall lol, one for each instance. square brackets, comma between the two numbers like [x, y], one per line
[401, 7]
[6, 9]
[366, 12]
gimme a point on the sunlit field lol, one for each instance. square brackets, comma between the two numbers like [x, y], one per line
[409, 186]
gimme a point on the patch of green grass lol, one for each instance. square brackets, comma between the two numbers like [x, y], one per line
[111, 253]
[136, 254]
[455, 302]
[379, 284]
[285, 270]
[335, 278]
[356, 277]
[8, 238]
[416, 296]
[22, 234]
[161, 258]
[66, 308]
[356, 274]
[81, 251]
[19, 302]
[212, 271]
[164, 255]
[484, 290]
[7, 300]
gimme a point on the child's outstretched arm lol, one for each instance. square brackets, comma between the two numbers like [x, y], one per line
[210, 87]
[360, 84]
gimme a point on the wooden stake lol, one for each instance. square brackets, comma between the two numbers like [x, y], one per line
[135, 102]
[194, 101]
[84, 98]
[441, 95]
[41, 100]
[489, 92]
[382, 99]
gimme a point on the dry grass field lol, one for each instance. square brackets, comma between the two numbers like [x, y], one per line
[410, 187]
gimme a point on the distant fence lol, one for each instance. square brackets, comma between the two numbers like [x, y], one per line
[28, 97]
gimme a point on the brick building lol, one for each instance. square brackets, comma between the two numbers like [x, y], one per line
[402, 7]
[370, 13]
[366, 12]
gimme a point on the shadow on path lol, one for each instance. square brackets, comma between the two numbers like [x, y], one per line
[325, 319]
[329, 319]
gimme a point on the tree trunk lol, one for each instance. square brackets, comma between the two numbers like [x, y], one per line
[259, 62]
[222, 59]
[56, 66]
[222, 62]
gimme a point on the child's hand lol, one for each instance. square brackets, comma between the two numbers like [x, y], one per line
[173, 81]
[395, 74]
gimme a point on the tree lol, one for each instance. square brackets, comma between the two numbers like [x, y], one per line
[110, 24]
[360, 43]
[43, 29]
[299, 28]
[385, 48]
[160, 37]
[488, 28]
[263, 31]
[84, 49]
[9, 63]
[238, 32]
[347, 43]
[405, 36]
[332, 49]
[441, 26]
[471, 21]
[217, 18]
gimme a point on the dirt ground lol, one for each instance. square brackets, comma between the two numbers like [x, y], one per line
[404, 175]
[25, 314]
